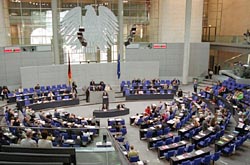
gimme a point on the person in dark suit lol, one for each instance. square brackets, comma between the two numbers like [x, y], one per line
[37, 87]
[92, 82]
[1, 93]
[5, 92]
[105, 99]
[87, 94]
[74, 86]
[180, 93]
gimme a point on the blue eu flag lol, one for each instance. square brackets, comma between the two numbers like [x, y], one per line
[118, 67]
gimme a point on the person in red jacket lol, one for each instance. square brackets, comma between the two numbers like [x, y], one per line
[148, 110]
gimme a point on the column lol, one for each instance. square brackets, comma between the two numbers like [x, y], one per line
[120, 39]
[5, 24]
[187, 41]
[55, 41]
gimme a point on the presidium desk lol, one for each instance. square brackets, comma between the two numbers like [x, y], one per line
[110, 113]
[95, 97]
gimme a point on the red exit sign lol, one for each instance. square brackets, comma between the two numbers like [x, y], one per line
[12, 50]
[160, 46]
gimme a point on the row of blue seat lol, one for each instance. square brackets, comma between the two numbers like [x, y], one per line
[42, 89]
[235, 145]
[201, 160]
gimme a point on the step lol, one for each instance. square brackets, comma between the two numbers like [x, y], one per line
[119, 94]
[121, 99]
[207, 82]
[204, 85]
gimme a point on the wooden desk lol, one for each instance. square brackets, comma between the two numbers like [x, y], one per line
[143, 131]
[175, 160]
[224, 141]
[153, 140]
[173, 146]
[185, 130]
[201, 136]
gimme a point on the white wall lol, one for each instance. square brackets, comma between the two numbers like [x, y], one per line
[84, 73]
[171, 59]
[172, 20]
[10, 64]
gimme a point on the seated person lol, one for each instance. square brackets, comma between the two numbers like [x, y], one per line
[229, 97]
[3, 140]
[165, 86]
[132, 152]
[222, 90]
[56, 114]
[45, 100]
[108, 88]
[238, 95]
[176, 121]
[216, 128]
[205, 124]
[37, 87]
[196, 123]
[148, 110]
[28, 141]
[180, 93]
[20, 89]
[199, 101]
[120, 106]
[44, 143]
[86, 134]
[35, 96]
[118, 127]
[92, 82]
[51, 95]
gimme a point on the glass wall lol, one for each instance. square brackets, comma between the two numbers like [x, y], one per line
[31, 22]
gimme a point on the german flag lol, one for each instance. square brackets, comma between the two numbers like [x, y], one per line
[69, 70]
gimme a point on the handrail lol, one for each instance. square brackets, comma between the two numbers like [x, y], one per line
[124, 160]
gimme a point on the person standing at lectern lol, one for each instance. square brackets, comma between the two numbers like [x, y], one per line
[105, 99]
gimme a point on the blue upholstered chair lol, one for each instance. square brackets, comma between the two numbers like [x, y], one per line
[228, 150]
[134, 159]
[189, 148]
[215, 156]
[176, 139]
[166, 130]
[180, 151]
[168, 141]
[169, 154]
[197, 161]
[188, 162]
[206, 160]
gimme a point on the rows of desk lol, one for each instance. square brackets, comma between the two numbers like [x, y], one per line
[149, 96]
[175, 160]
[39, 100]
[54, 104]
[110, 113]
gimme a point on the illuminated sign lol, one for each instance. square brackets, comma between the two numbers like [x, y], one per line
[12, 50]
[159, 46]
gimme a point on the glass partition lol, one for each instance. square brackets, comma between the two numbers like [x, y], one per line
[96, 152]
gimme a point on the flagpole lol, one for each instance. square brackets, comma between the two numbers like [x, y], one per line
[69, 70]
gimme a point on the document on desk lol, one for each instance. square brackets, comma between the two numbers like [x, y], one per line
[154, 138]
[202, 134]
[197, 136]
[180, 157]
[240, 125]
[199, 152]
